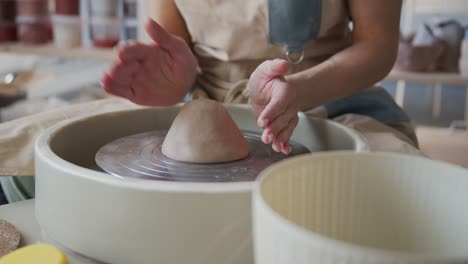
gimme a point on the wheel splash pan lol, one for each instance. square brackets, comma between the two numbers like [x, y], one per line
[131, 220]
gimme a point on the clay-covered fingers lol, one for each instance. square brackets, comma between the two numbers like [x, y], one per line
[274, 68]
[281, 121]
[150, 74]
[118, 79]
[267, 136]
[268, 70]
[123, 72]
[281, 141]
[260, 83]
[280, 131]
[142, 91]
[115, 88]
[135, 51]
[282, 96]
[284, 136]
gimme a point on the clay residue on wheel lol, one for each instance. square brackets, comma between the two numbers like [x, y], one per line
[10, 238]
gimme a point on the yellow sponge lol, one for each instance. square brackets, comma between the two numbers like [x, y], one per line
[35, 254]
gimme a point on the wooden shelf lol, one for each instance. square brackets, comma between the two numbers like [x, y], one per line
[438, 6]
[429, 78]
[51, 50]
[438, 80]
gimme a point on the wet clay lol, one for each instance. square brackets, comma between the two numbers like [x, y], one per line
[204, 132]
[9, 238]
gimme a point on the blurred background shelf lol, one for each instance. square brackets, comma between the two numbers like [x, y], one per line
[429, 78]
[436, 81]
[51, 50]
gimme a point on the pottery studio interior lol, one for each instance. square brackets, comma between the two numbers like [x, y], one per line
[233, 132]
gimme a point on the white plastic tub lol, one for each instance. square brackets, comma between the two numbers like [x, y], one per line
[361, 208]
[129, 220]
[67, 31]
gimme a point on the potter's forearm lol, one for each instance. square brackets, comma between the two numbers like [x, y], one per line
[375, 43]
[349, 71]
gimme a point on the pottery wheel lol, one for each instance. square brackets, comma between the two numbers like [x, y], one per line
[140, 156]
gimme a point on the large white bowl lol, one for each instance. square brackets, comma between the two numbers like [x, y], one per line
[361, 208]
[147, 221]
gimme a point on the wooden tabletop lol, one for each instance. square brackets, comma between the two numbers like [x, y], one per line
[51, 50]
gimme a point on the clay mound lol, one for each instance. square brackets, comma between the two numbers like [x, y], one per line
[204, 132]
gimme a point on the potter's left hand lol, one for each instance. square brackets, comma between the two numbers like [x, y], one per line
[273, 100]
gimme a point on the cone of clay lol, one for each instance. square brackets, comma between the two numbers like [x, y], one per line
[204, 132]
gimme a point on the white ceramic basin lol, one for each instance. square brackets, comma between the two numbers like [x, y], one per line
[147, 221]
[366, 208]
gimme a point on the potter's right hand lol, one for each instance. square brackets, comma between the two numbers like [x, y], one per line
[156, 74]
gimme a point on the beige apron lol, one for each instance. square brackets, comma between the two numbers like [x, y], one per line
[230, 39]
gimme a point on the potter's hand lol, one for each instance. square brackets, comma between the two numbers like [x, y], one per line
[156, 74]
[274, 103]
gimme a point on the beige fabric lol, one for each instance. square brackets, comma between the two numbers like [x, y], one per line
[230, 39]
[381, 137]
[17, 137]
